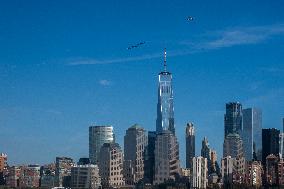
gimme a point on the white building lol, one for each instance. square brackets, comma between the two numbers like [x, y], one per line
[199, 173]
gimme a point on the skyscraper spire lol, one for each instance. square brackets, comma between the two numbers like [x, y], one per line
[165, 60]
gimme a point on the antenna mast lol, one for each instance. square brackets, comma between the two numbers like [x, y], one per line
[165, 60]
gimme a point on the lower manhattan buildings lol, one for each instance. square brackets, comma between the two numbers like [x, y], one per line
[190, 144]
[85, 176]
[98, 135]
[199, 173]
[135, 145]
[166, 157]
[63, 171]
[111, 165]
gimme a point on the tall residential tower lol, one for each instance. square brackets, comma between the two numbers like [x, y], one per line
[190, 144]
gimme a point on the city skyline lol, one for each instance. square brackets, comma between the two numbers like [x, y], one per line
[57, 81]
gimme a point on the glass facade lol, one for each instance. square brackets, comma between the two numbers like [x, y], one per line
[165, 107]
[270, 143]
[98, 135]
[251, 134]
[233, 118]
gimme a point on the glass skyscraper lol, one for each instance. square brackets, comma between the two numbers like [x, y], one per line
[251, 133]
[233, 118]
[190, 144]
[165, 106]
[270, 143]
[98, 135]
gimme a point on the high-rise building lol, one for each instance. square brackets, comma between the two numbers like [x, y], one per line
[251, 134]
[63, 171]
[165, 106]
[13, 179]
[190, 144]
[213, 161]
[135, 146]
[271, 172]
[233, 146]
[111, 165]
[3, 162]
[167, 164]
[281, 172]
[227, 167]
[30, 176]
[85, 176]
[270, 143]
[199, 173]
[98, 135]
[253, 174]
[281, 145]
[206, 153]
[233, 118]
[150, 158]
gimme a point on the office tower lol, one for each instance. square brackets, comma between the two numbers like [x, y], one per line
[227, 167]
[63, 171]
[251, 134]
[233, 146]
[150, 158]
[253, 174]
[281, 172]
[233, 118]
[271, 172]
[190, 144]
[281, 145]
[270, 143]
[167, 163]
[283, 125]
[239, 170]
[135, 145]
[29, 177]
[98, 135]
[213, 161]
[111, 165]
[13, 179]
[165, 107]
[206, 153]
[85, 176]
[199, 173]
[84, 161]
[47, 176]
[3, 161]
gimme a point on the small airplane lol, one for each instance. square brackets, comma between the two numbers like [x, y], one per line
[135, 46]
[189, 18]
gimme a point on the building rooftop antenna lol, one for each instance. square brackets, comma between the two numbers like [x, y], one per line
[165, 60]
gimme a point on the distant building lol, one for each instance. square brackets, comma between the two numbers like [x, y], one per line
[281, 172]
[233, 118]
[213, 161]
[3, 161]
[30, 176]
[199, 173]
[111, 165]
[150, 158]
[233, 145]
[47, 176]
[84, 161]
[270, 143]
[85, 176]
[165, 106]
[251, 134]
[227, 168]
[206, 153]
[167, 164]
[13, 179]
[63, 171]
[135, 146]
[190, 144]
[98, 135]
[271, 172]
[254, 174]
[281, 145]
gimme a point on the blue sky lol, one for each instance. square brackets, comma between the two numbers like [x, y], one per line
[64, 66]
